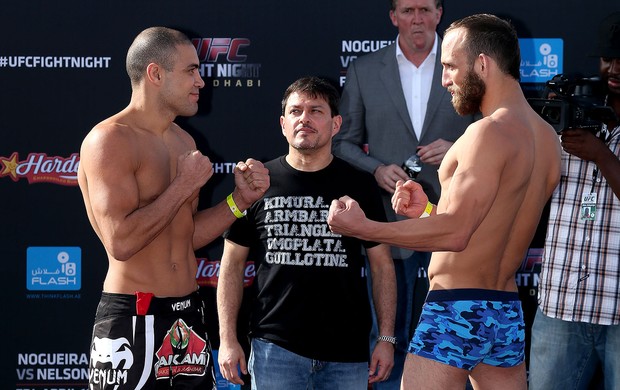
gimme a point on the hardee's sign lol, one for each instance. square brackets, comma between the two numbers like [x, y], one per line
[209, 271]
[41, 168]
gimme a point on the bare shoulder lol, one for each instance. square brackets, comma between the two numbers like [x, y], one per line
[493, 143]
[489, 132]
[545, 131]
[110, 141]
[548, 150]
[114, 130]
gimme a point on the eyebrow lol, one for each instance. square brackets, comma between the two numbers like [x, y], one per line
[311, 106]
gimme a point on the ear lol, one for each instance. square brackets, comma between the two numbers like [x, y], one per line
[336, 123]
[482, 64]
[282, 125]
[154, 73]
[439, 14]
[393, 18]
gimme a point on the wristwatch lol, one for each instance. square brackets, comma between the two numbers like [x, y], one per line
[387, 339]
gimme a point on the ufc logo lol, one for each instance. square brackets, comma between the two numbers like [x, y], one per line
[532, 259]
[210, 49]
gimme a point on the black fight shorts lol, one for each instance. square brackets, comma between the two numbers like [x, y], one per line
[143, 342]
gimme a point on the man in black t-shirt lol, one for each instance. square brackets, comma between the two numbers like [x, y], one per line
[311, 318]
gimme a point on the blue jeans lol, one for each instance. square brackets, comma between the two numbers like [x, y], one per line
[564, 354]
[411, 276]
[275, 368]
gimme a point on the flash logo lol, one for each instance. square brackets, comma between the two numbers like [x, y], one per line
[210, 49]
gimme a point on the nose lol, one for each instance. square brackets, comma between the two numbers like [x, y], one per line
[417, 17]
[614, 67]
[445, 80]
[304, 117]
[198, 81]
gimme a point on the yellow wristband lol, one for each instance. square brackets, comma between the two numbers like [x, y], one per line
[233, 207]
[427, 210]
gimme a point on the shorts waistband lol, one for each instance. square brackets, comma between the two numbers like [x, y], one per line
[471, 294]
[156, 306]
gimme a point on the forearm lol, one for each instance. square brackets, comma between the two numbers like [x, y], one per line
[439, 233]
[351, 151]
[229, 297]
[211, 223]
[609, 166]
[125, 237]
[384, 294]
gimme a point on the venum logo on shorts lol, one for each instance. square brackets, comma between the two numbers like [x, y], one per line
[110, 361]
[183, 352]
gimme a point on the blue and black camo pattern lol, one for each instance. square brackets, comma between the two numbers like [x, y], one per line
[465, 333]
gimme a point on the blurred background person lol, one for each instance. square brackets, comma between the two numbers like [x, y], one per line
[577, 325]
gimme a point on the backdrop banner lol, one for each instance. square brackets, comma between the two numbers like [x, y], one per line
[62, 70]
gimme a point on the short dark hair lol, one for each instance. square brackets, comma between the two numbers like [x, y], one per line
[314, 87]
[393, 3]
[153, 45]
[493, 36]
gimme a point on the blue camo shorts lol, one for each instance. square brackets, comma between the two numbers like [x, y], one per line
[464, 327]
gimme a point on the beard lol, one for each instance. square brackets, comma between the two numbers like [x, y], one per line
[305, 145]
[467, 99]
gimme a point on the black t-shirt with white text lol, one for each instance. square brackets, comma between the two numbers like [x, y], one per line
[310, 286]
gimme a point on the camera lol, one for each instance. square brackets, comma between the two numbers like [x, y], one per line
[578, 103]
[412, 166]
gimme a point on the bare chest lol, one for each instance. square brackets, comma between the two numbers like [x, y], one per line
[157, 166]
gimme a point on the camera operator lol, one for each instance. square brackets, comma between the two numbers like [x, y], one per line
[577, 325]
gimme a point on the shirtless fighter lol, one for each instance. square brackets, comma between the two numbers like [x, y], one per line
[495, 181]
[140, 175]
